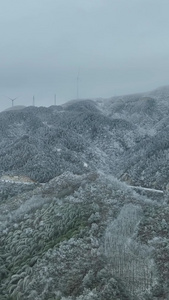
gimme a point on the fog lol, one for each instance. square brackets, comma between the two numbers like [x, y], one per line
[102, 48]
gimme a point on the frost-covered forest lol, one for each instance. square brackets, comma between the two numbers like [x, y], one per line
[84, 211]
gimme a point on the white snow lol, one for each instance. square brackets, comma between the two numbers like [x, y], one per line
[16, 179]
[146, 189]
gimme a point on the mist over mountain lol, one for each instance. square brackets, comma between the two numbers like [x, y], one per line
[84, 199]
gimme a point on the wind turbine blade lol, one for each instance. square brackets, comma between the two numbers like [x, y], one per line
[12, 99]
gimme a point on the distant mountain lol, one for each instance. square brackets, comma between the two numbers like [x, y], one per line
[127, 134]
[84, 193]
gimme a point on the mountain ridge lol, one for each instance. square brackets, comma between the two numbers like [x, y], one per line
[80, 134]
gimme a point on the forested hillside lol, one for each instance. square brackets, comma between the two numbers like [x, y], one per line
[84, 200]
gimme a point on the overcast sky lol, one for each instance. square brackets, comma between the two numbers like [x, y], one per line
[117, 46]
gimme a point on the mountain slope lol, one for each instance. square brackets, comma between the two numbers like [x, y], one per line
[84, 200]
[76, 237]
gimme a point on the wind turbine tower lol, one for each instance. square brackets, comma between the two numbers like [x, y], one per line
[55, 99]
[78, 85]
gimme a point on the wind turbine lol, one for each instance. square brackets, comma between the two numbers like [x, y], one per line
[55, 99]
[12, 99]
